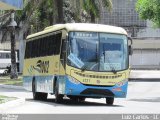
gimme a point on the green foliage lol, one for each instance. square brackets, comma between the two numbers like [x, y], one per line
[4, 99]
[69, 12]
[149, 9]
[39, 17]
[107, 4]
[93, 7]
[47, 12]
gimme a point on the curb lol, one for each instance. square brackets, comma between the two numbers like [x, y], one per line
[144, 79]
[11, 87]
[11, 104]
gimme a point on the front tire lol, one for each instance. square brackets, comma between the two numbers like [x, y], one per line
[81, 99]
[109, 100]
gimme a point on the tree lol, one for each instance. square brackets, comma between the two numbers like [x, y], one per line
[149, 9]
[21, 17]
[11, 28]
[93, 7]
[43, 14]
[69, 12]
[59, 4]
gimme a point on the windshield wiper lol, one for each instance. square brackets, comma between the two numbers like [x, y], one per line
[85, 66]
[110, 65]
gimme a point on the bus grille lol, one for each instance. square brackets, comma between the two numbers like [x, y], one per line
[99, 76]
[91, 91]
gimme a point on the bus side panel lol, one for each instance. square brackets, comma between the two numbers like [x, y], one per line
[62, 84]
[27, 82]
[44, 84]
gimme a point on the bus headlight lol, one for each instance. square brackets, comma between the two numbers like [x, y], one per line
[121, 83]
[73, 80]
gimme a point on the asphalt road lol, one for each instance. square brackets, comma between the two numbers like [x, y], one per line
[143, 97]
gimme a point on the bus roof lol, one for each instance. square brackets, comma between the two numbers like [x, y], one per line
[81, 27]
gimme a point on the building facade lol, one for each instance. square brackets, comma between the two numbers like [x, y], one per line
[146, 39]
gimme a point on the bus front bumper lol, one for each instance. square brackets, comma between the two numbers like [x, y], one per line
[72, 89]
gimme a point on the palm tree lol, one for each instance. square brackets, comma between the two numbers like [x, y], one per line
[48, 12]
[93, 7]
[59, 4]
[9, 26]
[24, 18]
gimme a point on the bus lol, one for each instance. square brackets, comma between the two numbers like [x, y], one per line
[5, 61]
[78, 61]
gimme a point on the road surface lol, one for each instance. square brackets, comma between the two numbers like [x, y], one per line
[143, 97]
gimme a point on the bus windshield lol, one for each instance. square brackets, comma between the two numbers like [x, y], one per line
[96, 51]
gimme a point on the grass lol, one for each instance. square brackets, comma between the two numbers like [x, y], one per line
[7, 81]
[4, 99]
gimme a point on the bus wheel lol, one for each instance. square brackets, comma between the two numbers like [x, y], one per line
[82, 99]
[58, 97]
[38, 95]
[109, 100]
[35, 94]
[43, 96]
[74, 99]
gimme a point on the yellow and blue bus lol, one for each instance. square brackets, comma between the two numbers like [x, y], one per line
[77, 60]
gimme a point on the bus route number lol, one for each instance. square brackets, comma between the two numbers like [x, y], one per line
[86, 80]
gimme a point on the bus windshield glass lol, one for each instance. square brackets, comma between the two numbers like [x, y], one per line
[96, 51]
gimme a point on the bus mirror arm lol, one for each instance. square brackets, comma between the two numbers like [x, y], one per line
[130, 50]
[130, 46]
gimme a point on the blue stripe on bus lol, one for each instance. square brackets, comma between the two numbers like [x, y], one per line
[44, 84]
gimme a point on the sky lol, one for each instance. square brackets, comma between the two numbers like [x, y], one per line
[15, 3]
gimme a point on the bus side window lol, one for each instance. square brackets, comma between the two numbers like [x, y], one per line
[46, 45]
[41, 47]
[50, 49]
[30, 49]
[38, 47]
[58, 43]
[51, 45]
[63, 52]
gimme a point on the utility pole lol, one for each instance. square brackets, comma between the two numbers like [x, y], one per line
[11, 28]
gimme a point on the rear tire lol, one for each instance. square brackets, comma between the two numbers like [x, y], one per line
[58, 97]
[38, 95]
[109, 100]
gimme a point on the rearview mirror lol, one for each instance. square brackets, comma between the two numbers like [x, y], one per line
[130, 50]
[131, 41]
